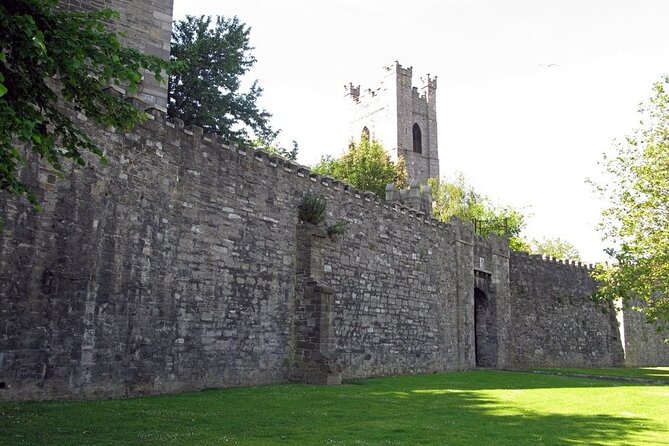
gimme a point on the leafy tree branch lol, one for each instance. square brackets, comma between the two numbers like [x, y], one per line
[48, 55]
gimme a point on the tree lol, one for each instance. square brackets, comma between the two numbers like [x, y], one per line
[636, 224]
[459, 199]
[555, 247]
[208, 93]
[367, 166]
[48, 55]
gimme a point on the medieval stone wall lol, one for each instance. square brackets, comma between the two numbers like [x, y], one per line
[554, 322]
[170, 269]
[174, 268]
[181, 265]
[644, 345]
[395, 295]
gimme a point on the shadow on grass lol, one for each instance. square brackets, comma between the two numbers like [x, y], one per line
[471, 408]
[654, 374]
[496, 379]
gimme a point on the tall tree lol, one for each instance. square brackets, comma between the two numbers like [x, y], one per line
[636, 225]
[365, 165]
[40, 43]
[208, 93]
[458, 198]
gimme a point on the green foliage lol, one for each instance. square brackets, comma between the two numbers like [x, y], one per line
[208, 93]
[482, 407]
[338, 228]
[636, 224]
[40, 43]
[312, 209]
[459, 199]
[367, 166]
[555, 247]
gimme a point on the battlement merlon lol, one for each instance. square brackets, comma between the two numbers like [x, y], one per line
[429, 88]
[352, 91]
[400, 71]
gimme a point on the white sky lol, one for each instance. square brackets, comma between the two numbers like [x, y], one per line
[530, 92]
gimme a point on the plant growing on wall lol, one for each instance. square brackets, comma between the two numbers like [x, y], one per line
[338, 228]
[312, 209]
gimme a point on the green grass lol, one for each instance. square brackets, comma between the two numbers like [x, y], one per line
[469, 408]
[650, 373]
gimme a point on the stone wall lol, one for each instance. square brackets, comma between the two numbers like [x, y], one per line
[181, 265]
[175, 268]
[170, 269]
[395, 295]
[554, 322]
[644, 345]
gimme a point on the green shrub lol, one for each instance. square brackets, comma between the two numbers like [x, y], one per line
[312, 209]
[338, 228]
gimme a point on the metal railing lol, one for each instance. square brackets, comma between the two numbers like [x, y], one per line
[487, 227]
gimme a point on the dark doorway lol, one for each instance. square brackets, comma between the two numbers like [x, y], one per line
[485, 330]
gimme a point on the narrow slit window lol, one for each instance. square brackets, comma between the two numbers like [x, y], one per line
[417, 139]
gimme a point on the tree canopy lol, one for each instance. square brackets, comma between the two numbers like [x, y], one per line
[458, 198]
[636, 224]
[209, 92]
[48, 55]
[554, 247]
[365, 165]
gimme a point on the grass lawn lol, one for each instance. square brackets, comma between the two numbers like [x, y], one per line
[652, 373]
[469, 408]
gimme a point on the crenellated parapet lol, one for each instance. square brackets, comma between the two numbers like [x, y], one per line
[555, 261]
[555, 321]
[414, 197]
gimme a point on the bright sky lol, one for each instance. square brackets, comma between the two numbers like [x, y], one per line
[530, 92]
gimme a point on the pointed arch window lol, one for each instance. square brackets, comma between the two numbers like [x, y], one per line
[365, 133]
[417, 139]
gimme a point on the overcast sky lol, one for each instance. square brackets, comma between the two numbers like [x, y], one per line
[530, 92]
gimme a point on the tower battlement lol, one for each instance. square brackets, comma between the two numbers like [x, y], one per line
[353, 92]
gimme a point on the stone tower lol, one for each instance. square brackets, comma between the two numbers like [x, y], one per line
[146, 25]
[401, 117]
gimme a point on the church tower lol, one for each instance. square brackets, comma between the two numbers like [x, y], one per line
[401, 117]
